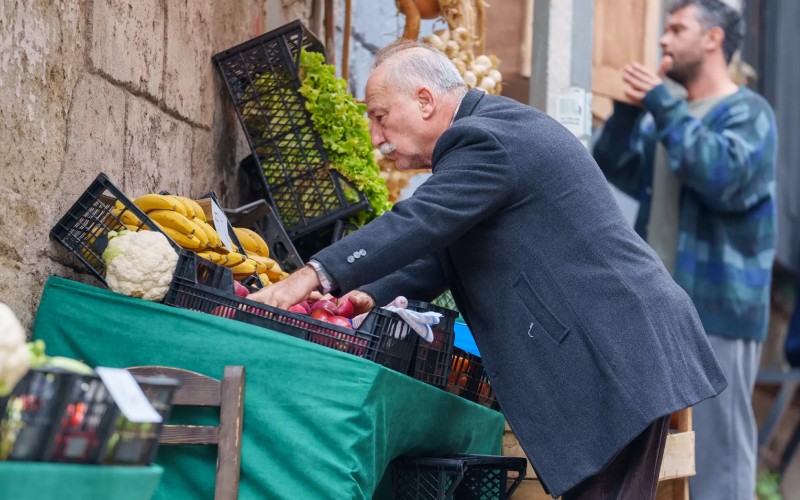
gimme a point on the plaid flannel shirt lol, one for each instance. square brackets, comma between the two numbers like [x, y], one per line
[726, 165]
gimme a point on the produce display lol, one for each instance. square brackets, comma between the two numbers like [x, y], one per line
[341, 124]
[187, 224]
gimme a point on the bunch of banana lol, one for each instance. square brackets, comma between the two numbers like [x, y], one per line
[180, 218]
[257, 250]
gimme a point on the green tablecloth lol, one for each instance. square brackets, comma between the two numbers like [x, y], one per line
[318, 423]
[50, 481]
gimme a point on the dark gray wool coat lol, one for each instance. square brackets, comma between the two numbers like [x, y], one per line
[585, 336]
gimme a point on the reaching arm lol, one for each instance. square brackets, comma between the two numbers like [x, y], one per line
[728, 163]
[619, 150]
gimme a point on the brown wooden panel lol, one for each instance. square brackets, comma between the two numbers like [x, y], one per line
[189, 434]
[624, 32]
[195, 388]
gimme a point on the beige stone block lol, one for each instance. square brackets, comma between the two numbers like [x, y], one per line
[205, 177]
[158, 150]
[95, 139]
[187, 76]
[127, 42]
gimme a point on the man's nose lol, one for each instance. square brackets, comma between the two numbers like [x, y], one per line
[376, 135]
[662, 42]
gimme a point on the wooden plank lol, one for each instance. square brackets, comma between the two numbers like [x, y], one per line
[231, 416]
[189, 434]
[195, 389]
[678, 458]
[681, 421]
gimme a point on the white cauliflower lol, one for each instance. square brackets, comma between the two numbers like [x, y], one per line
[140, 264]
[14, 354]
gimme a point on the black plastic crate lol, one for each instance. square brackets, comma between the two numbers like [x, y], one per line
[289, 167]
[31, 412]
[307, 197]
[458, 477]
[446, 300]
[468, 379]
[432, 360]
[84, 229]
[136, 443]
[259, 217]
[87, 414]
[200, 285]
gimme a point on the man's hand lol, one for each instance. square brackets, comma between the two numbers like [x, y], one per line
[294, 289]
[640, 80]
[362, 302]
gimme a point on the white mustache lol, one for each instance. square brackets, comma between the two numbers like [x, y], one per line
[387, 148]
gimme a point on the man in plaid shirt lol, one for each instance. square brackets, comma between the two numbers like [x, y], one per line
[703, 171]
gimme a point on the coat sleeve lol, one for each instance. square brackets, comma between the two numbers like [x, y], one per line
[727, 163]
[423, 279]
[619, 151]
[473, 178]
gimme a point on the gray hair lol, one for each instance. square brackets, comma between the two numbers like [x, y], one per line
[717, 14]
[426, 65]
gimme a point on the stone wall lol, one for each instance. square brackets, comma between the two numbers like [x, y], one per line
[124, 87]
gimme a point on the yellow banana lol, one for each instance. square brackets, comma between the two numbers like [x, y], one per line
[249, 266]
[126, 217]
[196, 208]
[246, 240]
[151, 201]
[199, 233]
[264, 279]
[211, 233]
[263, 248]
[174, 220]
[216, 258]
[186, 241]
[179, 206]
[189, 209]
[265, 261]
[235, 258]
[275, 274]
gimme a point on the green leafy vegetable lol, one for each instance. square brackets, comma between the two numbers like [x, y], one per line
[340, 122]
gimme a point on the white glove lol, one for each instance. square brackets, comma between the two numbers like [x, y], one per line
[419, 322]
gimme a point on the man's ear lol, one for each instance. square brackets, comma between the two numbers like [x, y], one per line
[714, 38]
[426, 101]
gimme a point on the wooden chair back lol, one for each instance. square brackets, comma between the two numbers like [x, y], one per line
[199, 390]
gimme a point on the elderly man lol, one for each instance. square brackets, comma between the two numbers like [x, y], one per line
[588, 342]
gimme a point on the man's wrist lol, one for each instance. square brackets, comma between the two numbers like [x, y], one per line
[326, 283]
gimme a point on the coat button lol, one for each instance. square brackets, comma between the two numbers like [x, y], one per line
[362, 252]
[350, 259]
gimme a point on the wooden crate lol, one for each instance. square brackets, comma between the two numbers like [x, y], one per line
[676, 467]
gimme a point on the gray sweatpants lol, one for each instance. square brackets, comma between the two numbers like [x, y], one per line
[726, 437]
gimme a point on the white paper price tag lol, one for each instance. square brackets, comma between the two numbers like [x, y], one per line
[128, 395]
[221, 225]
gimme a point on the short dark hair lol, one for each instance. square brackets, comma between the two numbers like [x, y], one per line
[717, 14]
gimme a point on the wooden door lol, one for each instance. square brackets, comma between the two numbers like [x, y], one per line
[625, 31]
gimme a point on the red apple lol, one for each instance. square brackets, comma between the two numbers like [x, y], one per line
[345, 308]
[321, 314]
[297, 308]
[240, 289]
[326, 305]
[305, 305]
[340, 321]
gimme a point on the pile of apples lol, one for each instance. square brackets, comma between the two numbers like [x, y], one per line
[337, 312]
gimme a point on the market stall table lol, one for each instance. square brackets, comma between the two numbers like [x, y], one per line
[54, 481]
[318, 423]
